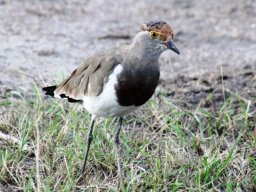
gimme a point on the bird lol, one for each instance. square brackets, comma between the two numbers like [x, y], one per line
[117, 81]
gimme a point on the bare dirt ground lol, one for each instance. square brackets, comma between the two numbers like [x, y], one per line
[42, 41]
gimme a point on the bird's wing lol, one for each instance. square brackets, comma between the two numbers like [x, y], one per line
[90, 77]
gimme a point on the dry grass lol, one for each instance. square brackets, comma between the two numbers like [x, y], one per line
[164, 148]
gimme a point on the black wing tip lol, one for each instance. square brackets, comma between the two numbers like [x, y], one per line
[49, 90]
[70, 100]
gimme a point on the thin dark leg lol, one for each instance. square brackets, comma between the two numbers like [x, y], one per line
[89, 140]
[117, 145]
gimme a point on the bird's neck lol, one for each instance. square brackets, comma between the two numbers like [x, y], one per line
[144, 51]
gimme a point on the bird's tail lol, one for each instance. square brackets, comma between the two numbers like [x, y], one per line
[49, 90]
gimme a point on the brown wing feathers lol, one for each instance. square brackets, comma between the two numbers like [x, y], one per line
[86, 80]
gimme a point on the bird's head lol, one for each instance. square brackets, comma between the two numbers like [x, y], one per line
[159, 33]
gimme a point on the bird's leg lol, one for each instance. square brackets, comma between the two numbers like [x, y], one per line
[117, 146]
[89, 140]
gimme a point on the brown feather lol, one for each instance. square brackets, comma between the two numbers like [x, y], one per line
[162, 27]
[89, 78]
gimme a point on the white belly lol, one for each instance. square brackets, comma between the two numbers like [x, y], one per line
[106, 105]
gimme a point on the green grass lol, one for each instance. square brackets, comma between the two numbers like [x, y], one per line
[164, 148]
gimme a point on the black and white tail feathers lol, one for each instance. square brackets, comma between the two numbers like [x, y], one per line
[50, 91]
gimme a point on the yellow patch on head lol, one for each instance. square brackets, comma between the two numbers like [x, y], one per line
[153, 34]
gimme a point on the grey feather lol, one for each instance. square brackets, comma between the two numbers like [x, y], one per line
[89, 78]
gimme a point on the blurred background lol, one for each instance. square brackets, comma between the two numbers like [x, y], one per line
[42, 41]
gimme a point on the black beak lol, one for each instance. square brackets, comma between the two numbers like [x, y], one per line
[171, 46]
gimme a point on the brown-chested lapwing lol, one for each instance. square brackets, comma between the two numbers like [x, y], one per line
[116, 82]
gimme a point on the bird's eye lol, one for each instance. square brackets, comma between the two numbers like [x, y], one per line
[153, 34]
